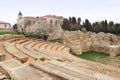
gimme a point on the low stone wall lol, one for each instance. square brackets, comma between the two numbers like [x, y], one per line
[6, 29]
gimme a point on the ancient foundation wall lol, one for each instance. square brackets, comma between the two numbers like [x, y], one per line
[99, 42]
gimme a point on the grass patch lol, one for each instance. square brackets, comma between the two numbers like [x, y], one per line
[2, 33]
[19, 33]
[92, 55]
[54, 40]
[29, 34]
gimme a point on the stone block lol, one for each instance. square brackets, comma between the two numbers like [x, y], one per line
[9, 65]
[114, 50]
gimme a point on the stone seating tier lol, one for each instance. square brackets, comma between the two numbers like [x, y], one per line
[19, 71]
[15, 52]
[59, 71]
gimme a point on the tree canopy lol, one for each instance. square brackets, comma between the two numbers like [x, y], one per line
[74, 23]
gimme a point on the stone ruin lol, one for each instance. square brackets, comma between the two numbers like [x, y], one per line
[36, 59]
[99, 42]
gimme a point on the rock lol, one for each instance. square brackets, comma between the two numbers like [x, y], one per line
[2, 77]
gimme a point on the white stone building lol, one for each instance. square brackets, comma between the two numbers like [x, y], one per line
[32, 24]
[4, 25]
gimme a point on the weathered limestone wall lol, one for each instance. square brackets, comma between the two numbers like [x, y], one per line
[100, 42]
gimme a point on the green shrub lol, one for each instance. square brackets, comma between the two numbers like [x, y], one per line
[54, 40]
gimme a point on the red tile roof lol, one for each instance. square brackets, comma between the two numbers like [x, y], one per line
[42, 18]
[53, 16]
[31, 17]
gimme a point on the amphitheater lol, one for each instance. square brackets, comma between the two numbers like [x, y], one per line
[34, 59]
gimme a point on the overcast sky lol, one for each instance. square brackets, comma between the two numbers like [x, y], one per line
[94, 10]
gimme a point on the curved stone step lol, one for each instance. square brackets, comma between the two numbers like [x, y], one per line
[59, 71]
[55, 47]
[48, 46]
[26, 43]
[65, 49]
[27, 52]
[59, 47]
[55, 55]
[43, 51]
[48, 53]
[50, 56]
[19, 71]
[22, 41]
[15, 52]
[31, 44]
[52, 47]
[41, 44]
[14, 40]
[39, 54]
[105, 74]
[37, 45]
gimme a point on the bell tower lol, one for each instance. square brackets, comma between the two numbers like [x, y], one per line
[20, 15]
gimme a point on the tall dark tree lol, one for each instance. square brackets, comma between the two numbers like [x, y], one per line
[111, 27]
[66, 24]
[73, 20]
[70, 19]
[117, 28]
[87, 25]
[96, 27]
[15, 27]
[78, 20]
[111, 23]
[105, 26]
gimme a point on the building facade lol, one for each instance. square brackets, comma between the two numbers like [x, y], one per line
[54, 20]
[32, 24]
[5, 26]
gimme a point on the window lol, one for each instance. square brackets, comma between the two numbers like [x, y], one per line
[51, 22]
[29, 22]
[5, 25]
[56, 22]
